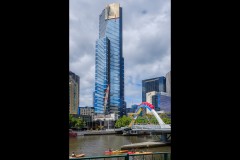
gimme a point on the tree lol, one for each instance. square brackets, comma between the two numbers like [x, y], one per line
[166, 119]
[141, 120]
[123, 121]
[71, 119]
[79, 123]
[76, 122]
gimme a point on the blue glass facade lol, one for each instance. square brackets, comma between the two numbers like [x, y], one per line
[155, 84]
[134, 107]
[109, 64]
[161, 102]
[102, 73]
[164, 103]
[155, 102]
[128, 110]
[123, 109]
[78, 113]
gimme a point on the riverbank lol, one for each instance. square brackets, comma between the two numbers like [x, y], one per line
[100, 132]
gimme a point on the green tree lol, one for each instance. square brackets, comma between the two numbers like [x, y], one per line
[79, 123]
[153, 120]
[167, 120]
[71, 119]
[123, 121]
[76, 122]
[141, 120]
[165, 117]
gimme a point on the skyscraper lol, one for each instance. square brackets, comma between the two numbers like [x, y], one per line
[73, 93]
[154, 84]
[109, 71]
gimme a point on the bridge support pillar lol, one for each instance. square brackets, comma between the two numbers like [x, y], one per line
[163, 137]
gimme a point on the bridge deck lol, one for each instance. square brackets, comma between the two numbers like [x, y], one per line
[151, 128]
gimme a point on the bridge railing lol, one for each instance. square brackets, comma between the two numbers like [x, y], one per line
[149, 156]
[154, 127]
[146, 126]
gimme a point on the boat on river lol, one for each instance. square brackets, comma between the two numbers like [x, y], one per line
[116, 152]
[139, 153]
[72, 133]
[77, 156]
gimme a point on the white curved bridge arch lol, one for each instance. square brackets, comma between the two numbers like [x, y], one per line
[150, 107]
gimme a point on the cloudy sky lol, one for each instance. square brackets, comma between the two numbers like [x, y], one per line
[146, 43]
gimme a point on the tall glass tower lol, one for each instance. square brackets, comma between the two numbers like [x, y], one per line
[109, 71]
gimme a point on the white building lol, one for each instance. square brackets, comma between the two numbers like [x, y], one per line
[149, 99]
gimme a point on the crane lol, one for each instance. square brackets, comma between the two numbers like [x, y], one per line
[106, 98]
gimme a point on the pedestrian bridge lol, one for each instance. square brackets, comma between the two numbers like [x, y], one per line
[161, 128]
[152, 128]
[150, 107]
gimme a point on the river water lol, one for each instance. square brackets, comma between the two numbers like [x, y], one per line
[95, 145]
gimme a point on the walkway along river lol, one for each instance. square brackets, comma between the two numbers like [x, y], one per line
[95, 145]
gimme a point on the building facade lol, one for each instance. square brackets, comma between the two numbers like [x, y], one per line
[87, 111]
[74, 86]
[168, 83]
[154, 84]
[155, 102]
[166, 104]
[150, 98]
[162, 102]
[128, 110]
[109, 71]
[78, 112]
[134, 107]
[123, 110]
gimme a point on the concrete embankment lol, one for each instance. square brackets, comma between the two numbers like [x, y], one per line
[89, 133]
[145, 145]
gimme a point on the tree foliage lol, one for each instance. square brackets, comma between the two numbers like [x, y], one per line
[76, 122]
[123, 121]
[165, 117]
[141, 120]
[147, 119]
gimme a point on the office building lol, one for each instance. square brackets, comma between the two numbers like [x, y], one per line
[87, 111]
[109, 63]
[162, 102]
[134, 107]
[150, 98]
[74, 86]
[168, 83]
[123, 110]
[154, 84]
[128, 110]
